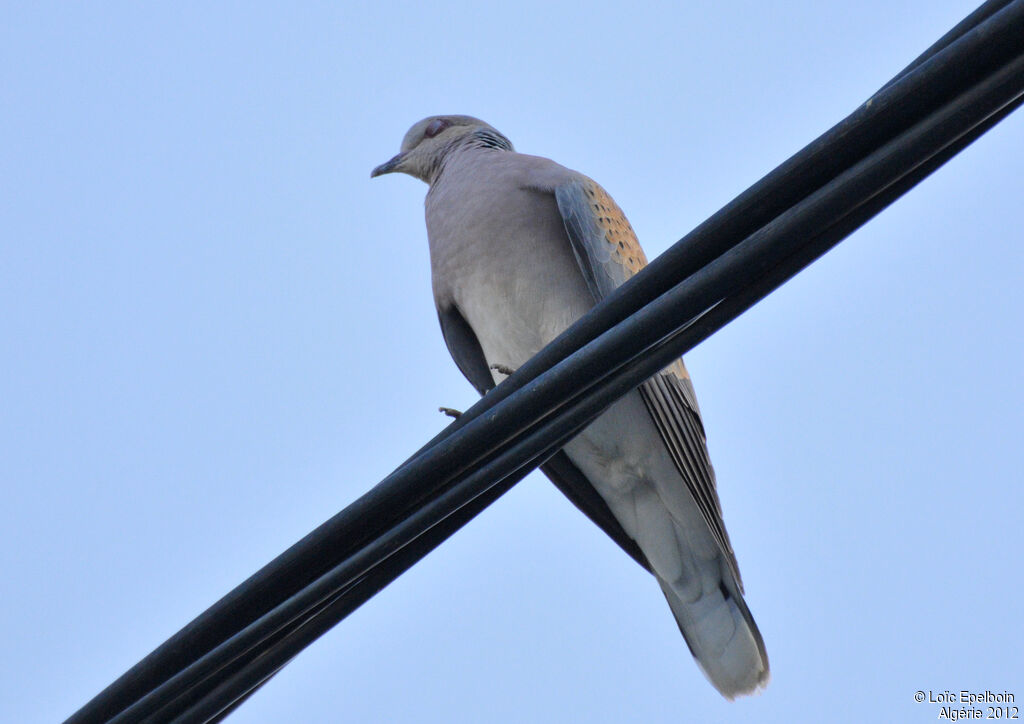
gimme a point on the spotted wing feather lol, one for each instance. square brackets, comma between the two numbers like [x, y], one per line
[608, 253]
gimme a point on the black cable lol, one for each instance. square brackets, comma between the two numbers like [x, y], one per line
[214, 662]
[723, 312]
[554, 433]
[325, 621]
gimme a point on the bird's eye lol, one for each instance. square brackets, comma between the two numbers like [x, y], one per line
[436, 126]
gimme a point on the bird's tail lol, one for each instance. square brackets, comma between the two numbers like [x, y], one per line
[723, 638]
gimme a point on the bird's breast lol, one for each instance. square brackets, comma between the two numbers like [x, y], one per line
[506, 262]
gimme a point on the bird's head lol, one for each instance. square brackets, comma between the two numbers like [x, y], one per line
[428, 142]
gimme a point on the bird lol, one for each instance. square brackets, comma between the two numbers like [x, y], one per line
[520, 248]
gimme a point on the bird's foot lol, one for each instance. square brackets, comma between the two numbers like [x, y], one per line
[503, 369]
[450, 412]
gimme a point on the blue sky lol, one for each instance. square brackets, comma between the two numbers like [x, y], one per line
[218, 331]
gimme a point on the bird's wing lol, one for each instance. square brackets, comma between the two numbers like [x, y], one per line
[465, 349]
[608, 253]
[604, 243]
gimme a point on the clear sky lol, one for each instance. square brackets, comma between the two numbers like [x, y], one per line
[217, 331]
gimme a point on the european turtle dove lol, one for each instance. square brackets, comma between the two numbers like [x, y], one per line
[521, 247]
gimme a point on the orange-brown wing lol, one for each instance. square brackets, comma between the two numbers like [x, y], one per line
[604, 243]
[608, 253]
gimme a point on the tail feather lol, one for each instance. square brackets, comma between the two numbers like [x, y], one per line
[723, 638]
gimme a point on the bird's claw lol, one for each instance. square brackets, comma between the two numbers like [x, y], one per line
[503, 369]
[450, 412]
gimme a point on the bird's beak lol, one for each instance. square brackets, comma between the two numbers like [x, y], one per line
[388, 166]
